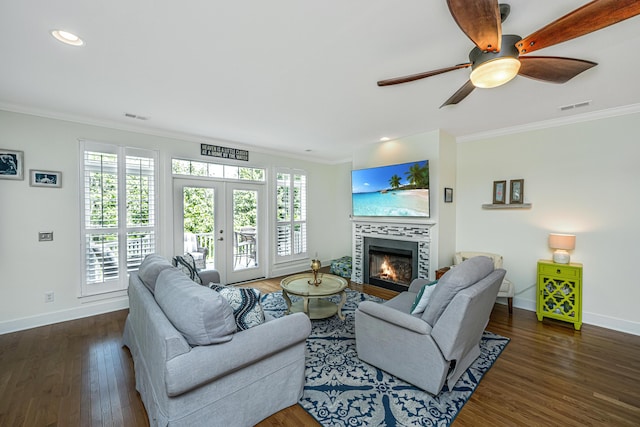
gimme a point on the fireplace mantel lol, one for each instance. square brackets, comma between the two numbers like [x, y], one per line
[416, 232]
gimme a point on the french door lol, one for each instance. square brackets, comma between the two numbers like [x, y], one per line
[221, 224]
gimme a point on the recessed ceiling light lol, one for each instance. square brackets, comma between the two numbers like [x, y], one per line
[67, 37]
[385, 139]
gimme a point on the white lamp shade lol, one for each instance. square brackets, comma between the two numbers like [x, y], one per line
[562, 241]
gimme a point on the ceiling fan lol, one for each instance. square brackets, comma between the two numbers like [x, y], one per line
[497, 58]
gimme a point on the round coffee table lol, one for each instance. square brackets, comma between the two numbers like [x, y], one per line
[313, 302]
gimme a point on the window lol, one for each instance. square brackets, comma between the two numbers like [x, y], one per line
[118, 212]
[291, 215]
[215, 170]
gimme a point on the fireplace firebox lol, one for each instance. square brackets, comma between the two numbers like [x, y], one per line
[391, 264]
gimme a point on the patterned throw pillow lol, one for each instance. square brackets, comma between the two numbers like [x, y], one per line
[245, 303]
[187, 265]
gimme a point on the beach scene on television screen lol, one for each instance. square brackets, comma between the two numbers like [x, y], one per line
[396, 190]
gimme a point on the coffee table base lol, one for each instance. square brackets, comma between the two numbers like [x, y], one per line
[315, 307]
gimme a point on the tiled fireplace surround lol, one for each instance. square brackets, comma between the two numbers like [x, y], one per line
[412, 232]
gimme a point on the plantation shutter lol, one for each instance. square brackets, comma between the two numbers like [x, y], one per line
[118, 212]
[291, 215]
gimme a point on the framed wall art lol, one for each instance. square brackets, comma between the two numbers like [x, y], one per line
[39, 178]
[499, 192]
[11, 164]
[517, 191]
[448, 195]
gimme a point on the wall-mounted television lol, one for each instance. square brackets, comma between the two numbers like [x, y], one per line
[400, 190]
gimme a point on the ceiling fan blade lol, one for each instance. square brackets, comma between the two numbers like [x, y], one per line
[460, 94]
[584, 20]
[419, 76]
[480, 21]
[552, 68]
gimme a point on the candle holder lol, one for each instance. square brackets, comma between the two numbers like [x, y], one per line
[315, 267]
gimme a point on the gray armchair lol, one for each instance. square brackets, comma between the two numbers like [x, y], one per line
[426, 349]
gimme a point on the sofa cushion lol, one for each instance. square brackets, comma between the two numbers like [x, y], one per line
[420, 303]
[245, 303]
[187, 264]
[462, 276]
[151, 267]
[202, 316]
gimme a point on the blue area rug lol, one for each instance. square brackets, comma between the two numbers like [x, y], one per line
[341, 390]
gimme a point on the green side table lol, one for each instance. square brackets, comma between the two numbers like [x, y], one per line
[560, 292]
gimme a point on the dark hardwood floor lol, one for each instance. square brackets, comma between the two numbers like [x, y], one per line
[77, 373]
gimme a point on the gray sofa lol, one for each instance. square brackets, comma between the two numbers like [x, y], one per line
[437, 345]
[236, 379]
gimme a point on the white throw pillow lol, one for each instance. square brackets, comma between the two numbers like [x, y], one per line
[422, 298]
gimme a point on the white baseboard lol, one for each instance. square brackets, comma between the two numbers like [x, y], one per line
[594, 319]
[50, 318]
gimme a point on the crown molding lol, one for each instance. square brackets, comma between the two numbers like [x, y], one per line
[546, 124]
[145, 130]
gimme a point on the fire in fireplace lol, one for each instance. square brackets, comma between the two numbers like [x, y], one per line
[390, 264]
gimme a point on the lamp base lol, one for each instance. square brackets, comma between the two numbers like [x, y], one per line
[560, 256]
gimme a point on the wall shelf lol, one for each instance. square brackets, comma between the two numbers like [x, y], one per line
[507, 206]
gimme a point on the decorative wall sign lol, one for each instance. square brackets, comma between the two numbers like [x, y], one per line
[11, 164]
[224, 152]
[38, 178]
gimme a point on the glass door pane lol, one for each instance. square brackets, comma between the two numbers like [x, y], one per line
[199, 222]
[199, 225]
[245, 228]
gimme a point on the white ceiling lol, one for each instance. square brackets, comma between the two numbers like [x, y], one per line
[289, 75]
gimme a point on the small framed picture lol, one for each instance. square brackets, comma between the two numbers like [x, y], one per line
[517, 191]
[448, 195]
[499, 190]
[38, 178]
[11, 164]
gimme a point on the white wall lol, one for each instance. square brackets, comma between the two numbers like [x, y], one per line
[29, 268]
[581, 178]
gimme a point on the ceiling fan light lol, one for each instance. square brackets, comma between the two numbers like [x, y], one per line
[495, 73]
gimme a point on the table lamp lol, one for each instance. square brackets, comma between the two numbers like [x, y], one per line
[562, 243]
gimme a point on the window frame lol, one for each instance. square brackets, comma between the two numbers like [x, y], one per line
[292, 222]
[122, 228]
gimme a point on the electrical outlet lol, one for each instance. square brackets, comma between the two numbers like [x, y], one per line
[48, 296]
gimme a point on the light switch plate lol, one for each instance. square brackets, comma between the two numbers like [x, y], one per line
[45, 236]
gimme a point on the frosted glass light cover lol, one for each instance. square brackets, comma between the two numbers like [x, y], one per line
[495, 73]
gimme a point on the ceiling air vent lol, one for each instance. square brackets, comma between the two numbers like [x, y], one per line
[572, 106]
[135, 116]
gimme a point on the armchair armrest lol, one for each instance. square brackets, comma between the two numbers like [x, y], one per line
[204, 364]
[395, 317]
[209, 276]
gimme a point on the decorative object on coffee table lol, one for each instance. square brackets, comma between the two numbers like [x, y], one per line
[315, 267]
[313, 299]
